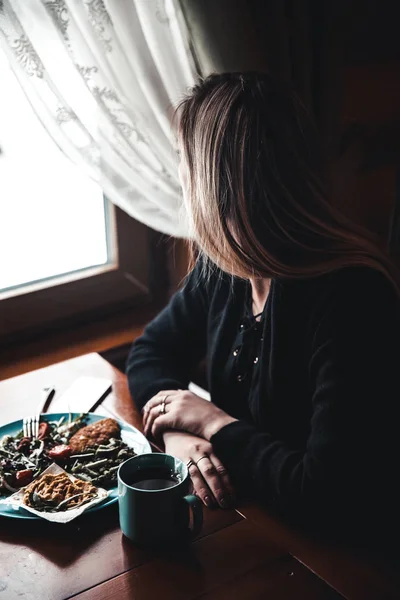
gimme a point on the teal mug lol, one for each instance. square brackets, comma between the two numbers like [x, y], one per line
[154, 501]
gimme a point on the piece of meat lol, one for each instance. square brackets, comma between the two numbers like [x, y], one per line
[94, 435]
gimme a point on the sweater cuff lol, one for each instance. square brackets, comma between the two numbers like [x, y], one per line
[231, 441]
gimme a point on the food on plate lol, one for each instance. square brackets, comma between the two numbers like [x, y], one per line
[52, 493]
[94, 435]
[92, 452]
[44, 430]
[24, 477]
[60, 453]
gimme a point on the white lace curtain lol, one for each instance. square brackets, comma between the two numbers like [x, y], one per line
[103, 77]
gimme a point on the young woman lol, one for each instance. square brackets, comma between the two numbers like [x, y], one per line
[294, 308]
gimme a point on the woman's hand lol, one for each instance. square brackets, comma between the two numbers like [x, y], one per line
[209, 477]
[184, 411]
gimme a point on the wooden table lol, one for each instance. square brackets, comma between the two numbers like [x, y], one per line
[240, 554]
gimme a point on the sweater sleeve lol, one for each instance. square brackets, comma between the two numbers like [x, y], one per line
[172, 344]
[347, 467]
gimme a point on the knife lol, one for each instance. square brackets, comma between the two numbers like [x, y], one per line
[45, 399]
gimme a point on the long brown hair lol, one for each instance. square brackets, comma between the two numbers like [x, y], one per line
[257, 205]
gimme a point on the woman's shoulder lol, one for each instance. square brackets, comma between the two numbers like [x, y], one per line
[352, 281]
[211, 280]
[354, 292]
[357, 282]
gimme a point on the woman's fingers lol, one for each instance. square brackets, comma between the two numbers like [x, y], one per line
[216, 483]
[225, 479]
[153, 407]
[151, 417]
[160, 424]
[201, 488]
[157, 399]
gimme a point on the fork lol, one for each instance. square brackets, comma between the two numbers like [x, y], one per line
[30, 425]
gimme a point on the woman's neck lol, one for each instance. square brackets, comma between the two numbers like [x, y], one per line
[260, 290]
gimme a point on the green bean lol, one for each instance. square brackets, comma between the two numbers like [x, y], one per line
[112, 469]
[106, 452]
[83, 476]
[89, 471]
[79, 456]
[98, 463]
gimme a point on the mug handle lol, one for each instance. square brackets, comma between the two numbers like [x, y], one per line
[197, 511]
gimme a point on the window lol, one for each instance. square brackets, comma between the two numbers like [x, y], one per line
[65, 249]
[45, 201]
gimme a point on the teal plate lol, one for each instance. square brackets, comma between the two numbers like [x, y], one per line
[130, 435]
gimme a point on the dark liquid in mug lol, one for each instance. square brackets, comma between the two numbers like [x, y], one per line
[153, 478]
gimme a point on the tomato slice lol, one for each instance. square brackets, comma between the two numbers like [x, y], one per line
[23, 477]
[24, 445]
[61, 452]
[44, 429]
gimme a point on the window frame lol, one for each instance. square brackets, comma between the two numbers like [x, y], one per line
[93, 293]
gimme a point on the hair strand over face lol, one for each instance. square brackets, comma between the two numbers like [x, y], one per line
[256, 199]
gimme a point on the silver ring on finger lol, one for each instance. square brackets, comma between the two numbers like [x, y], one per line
[201, 458]
[162, 406]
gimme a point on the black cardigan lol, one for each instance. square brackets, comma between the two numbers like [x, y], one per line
[323, 441]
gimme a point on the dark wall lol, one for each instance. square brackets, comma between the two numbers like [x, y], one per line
[343, 56]
[369, 113]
